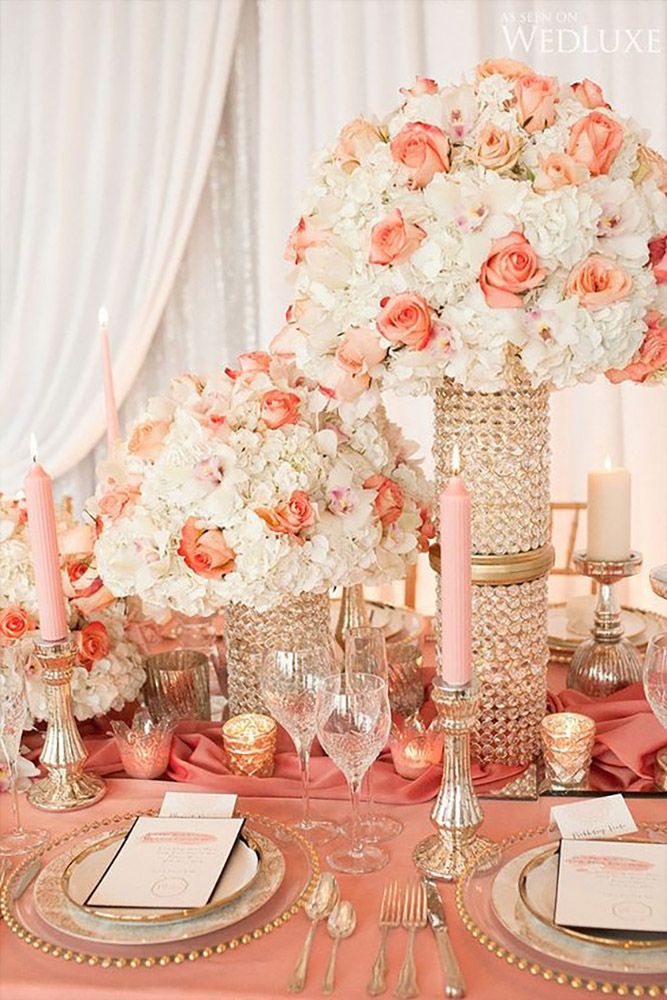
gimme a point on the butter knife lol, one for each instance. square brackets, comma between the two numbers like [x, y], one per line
[454, 982]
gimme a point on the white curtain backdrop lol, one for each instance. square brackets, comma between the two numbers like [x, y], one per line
[301, 69]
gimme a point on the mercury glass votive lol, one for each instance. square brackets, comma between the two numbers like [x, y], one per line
[146, 745]
[414, 747]
[250, 742]
[567, 747]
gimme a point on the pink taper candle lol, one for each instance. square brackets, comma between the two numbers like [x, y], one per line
[455, 580]
[45, 555]
[113, 426]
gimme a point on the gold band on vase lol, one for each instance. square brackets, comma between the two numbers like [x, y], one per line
[502, 570]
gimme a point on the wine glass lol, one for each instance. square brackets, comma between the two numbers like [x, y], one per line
[655, 676]
[13, 715]
[366, 653]
[353, 723]
[290, 680]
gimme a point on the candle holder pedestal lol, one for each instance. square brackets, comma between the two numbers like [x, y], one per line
[67, 785]
[457, 814]
[607, 661]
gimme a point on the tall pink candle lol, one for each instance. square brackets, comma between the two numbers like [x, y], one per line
[113, 426]
[45, 555]
[455, 581]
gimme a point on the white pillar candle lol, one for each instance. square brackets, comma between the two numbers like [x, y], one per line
[608, 513]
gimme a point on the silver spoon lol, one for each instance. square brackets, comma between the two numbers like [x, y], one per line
[324, 897]
[341, 923]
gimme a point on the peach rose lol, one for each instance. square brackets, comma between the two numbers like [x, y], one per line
[95, 599]
[426, 530]
[597, 281]
[359, 350]
[536, 98]
[423, 149]
[147, 438]
[388, 501]
[205, 550]
[279, 408]
[511, 69]
[595, 142]
[393, 239]
[14, 622]
[303, 236]
[114, 502]
[250, 365]
[652, 353]
[422, 85]
[405, 319]
[496, 149]
[657, 251]
[589, 94]
[349, 386]
[356, 140]
[290, 518]
[511, 267]
[77, 540]
[555, 171]
[93, 643]
[652, 166]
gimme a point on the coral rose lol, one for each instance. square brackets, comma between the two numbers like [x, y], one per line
[511, 267]
[496, 149]
[205, 550]
[651, 356]
[426, 530]
[279, 408]
[389, 501]
[511, 69]
[14, 622]
[536, 98]
[423, 149]
[359, 350]
[595, 142]
[422, 85]
[290, 518]
[657, 252]
[93, 643]
[303, 236]
[405, 319]
[356, 140]
[598, 281]
[393, 239]
[147, 438]
[589, 94]
[555, 171]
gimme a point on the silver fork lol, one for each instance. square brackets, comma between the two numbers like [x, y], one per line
[414, 918]
[390, 917]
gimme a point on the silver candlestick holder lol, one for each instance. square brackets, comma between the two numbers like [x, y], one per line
[607, 661]
[457, 814]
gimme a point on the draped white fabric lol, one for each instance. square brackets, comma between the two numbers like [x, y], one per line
[110, 113]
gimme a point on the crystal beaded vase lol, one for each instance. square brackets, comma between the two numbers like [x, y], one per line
[298, 622]
[503, 439]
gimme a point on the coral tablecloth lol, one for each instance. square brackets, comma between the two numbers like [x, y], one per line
[262, 969]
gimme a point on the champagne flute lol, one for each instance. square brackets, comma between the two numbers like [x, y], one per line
[655, 676]
[13, 715]
[290, 682]
[366, 653]
[353, 723]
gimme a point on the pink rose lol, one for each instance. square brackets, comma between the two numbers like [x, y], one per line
[115, 501]
[147, 438]
[303, 236]
[290, 518]
[423, 149]
[555, 171]
[282, 345]
[77, 540]
[652, 166]
[393, 239]
[595, 142]
[405, 319]
[536, 98]
[96, 598]
[496, 149]
[511, 69]
[597, 281]
[422, 85]
[14, 622]
[250, 365]
[511, 267]
[359, 350]
[589, 94]
[657, 251]
[279, 408]
[93, 643]
[389, 501]
[347, 387]
[652, 353]
[205, 550]
[355, 141]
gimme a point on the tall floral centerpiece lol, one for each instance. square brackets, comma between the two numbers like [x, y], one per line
[236, 490]
[108, 671]
[486, 243]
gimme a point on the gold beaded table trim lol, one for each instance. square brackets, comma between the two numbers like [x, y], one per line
[149, 961]
[502, 570]
[536, 969]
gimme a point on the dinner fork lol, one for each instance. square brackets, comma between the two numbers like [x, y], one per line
[414, 918]
[390, 917]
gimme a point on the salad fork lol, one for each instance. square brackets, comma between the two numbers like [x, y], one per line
[390, 917]
[414, 919]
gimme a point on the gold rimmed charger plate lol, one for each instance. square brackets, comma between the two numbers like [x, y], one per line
[561, 649]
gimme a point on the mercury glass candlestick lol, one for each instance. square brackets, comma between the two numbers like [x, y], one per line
[457, 814]
[607, 661]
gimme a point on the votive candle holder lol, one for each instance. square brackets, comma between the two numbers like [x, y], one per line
[250, 743]
[567, 746]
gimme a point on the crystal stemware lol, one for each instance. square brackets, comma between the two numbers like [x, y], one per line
[366, 653]
[13, 715]
[290, 682]
[655, 676]
[353, 722]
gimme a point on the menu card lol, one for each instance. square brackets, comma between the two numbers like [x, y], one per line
[168, 863]
[612, 885]
[202, 804]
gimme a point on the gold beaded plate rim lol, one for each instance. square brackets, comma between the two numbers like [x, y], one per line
[589, 984]
[108, 961]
